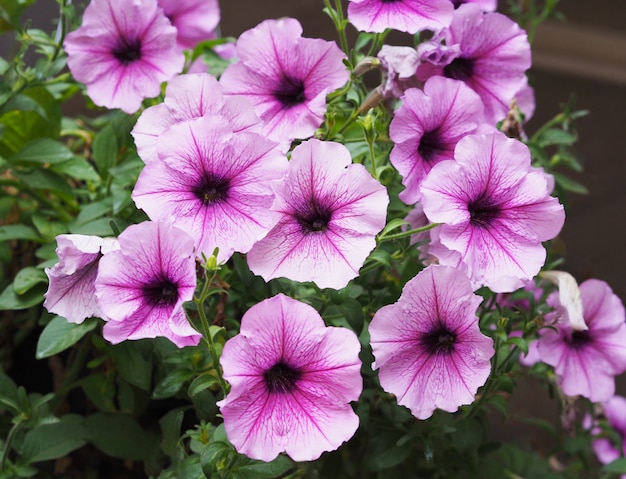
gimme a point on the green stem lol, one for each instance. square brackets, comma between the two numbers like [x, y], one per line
[370, 144]
[404, 234]
[341, 28]
[7, 445]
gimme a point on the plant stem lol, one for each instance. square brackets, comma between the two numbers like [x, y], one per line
[404, 234]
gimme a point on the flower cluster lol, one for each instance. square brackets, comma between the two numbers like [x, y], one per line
[252, 164]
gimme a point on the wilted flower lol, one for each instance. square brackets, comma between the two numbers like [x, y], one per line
[214, 183]
[194, 20]
[427, 127]
[72, 280]
[586, 361]
[188, 97]
[496, 211]
[494, 54]
[331, 211]
[429, 350]
[123, 51]
[292, 379]
[141, 287]
[399, 65]
[286, 77]
[409, 16]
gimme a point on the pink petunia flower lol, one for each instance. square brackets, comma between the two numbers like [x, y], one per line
[142, 286]
[615, 413]
[188, 97]
[496, 211]
[428, 348]
[586, 361]
[485, 5]
[72, 280]
[494, 55]
[214, 183]
[409, 16]
[331, 211]
[292, 379]
[286, 77]
[427, 127]
[194, 20]
[123, 51]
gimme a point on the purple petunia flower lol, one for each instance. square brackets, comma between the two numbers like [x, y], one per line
[72, 280]
[409, 16]
[428, 348]
[142, 286]
[188, 97]
[496, 211]
[123, 51]
[615, 413]
[485, 5]
[214, 183]
[330, 211]
[586, 361]
[494, 54]
[194, 20]
[427, 127]
[286, 77]
[292, 379]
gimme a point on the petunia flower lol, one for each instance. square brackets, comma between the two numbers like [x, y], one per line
[142, 286]
[399, 65]
[428, 348]
[188, 97]
[409, 16]
[72, 280]
[586, 361]
[485, 5]
[214, 183]
[496, 211]
[615, 413]
[292, 379]
[494, 55]
[330, 212]
[195, 20]
[286, 77]
[123, 51]
[427, 127]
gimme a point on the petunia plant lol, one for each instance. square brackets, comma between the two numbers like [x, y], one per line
[277, 256]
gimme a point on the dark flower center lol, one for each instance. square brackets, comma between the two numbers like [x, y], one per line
[315, 218]
[281, 378]
[127, 50]
[430, 145]
[439, 340]
[482, 212]
[290, 92]
[160, 292]
[459, 69]
[212, 189]
[457, 3]
[580, 339]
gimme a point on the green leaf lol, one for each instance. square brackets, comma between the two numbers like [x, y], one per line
[521, 343]
[171, 383]
[120, 436]
[18, 232]
[9, 299]
[42, 151]
[132, 365]
[389, 458]
[93, 211]
[100, 390]
[105, 150]
[49, 230]
[58, 335]
[554, 136]
[618, 466]
[28, 277]
[392, 225]
[51, 441]
[78, 168]
[211, 454]
[40, 179]
[570, 185]
[201, 383]
[259, 469]
[170, 428]
[380, 256]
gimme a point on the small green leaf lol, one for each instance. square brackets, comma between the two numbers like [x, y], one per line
[132, 365]
[570, 185]
[211, 454]
[51, 441]
[28, 277]
[555, 136]
[41, 151]
[58, 335]
[201, 383]
[259, 469]
[171, 383]
[105, 150]
[521, 343]
[49, 230]
[9, 299]
[18, 232]
[77, 167]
